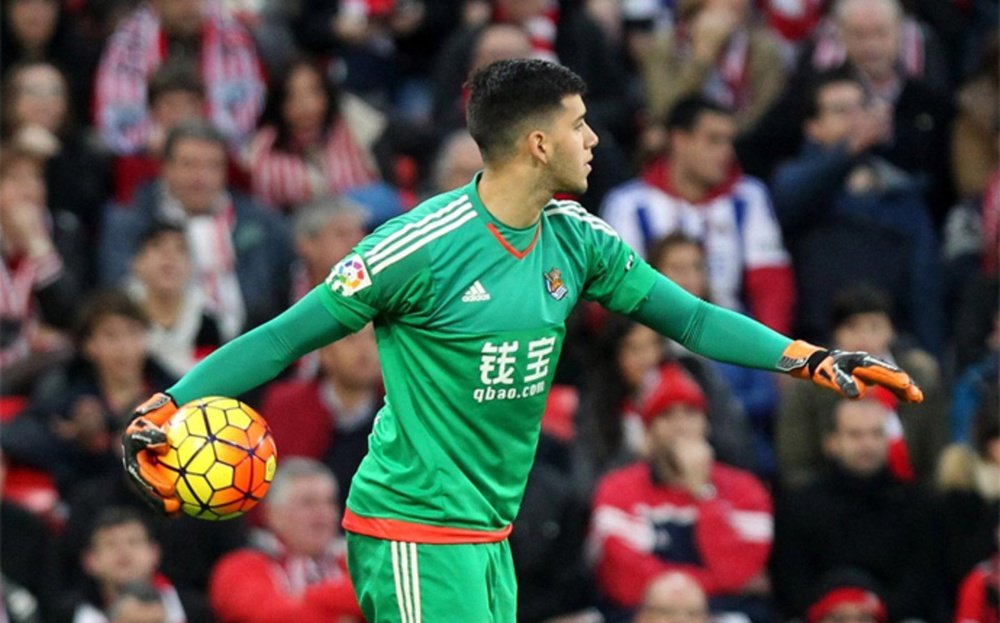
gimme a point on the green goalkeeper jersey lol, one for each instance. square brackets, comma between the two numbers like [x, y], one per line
[470, 317]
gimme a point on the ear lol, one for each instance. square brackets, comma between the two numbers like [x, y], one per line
[156, 554]
[811, 129]
[539, 147]
[87, 562]
[830, 445]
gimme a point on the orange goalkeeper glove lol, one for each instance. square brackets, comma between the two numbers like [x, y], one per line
[143, 440]
[847, 373]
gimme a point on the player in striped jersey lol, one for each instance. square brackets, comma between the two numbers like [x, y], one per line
[469, 293]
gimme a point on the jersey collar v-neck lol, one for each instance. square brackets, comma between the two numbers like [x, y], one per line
[518, 241]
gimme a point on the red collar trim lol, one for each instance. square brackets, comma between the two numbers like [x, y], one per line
[510, 249]
[657, 174]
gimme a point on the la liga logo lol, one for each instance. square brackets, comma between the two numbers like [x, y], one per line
[349, 276]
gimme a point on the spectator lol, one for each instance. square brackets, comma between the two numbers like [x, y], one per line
[315, 141]
[297, 570]
[697, 188]
[968, 504]
[457, 160]
[163, 30]
[121, 551]
[979, 594]
[37, 116]
[624, 358]
[863, 321]
[716, 50]
[189, 547]
[72, 424]
[138, 602]
[846, 595]
[974, 151]
[917, 137]
[330, 416]
[682, 511]
[41, 31]
[673, 597]
[175, 94]
[841, 195]
[325, 231]
[40, 284]
[242, 254]
[181, 330]
[547, 544]
[682, 259]
[858, 516]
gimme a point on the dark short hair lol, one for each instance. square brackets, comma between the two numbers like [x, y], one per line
[661, 246]
[810, 103]
[505, 94]
[114, 516]
[174, 76]
[192, 129]
[152, 233]
[860, 299]
[686, 112]
[102, 304]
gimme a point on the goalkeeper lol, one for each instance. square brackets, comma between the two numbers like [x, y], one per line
[469, 293]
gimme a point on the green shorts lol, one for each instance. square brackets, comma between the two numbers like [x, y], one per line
[402, 582]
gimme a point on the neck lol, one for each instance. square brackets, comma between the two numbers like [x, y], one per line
[664, 469]
[685, 185]
[509, 199]
[163, 307]
[109, 592]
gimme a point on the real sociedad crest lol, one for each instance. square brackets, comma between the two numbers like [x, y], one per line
[554, 284]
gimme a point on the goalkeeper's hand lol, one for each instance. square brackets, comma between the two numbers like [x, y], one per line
[847, 373]
[143, 440]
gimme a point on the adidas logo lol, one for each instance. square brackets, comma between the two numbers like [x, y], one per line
[475, 293]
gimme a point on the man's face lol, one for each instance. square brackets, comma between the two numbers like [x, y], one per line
[306, 520]
[706, 152]
[179, 18]
[41, 98]
[838, 105]
[871, 332]
[116, 346]
[164, 264]
[674, 425]
[33, 21]
[870, 31]
[500, 42]
[685, 265]
[573, 143]
[121, 554]
[859, 442]
[132, 610]
[195, 174]
[353, 361]
[330, 244]
[22, 182]
[850, 613]
[459, 163]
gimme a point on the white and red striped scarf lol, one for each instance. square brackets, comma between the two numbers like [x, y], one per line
[728, 82]
[283, 178]
[210, 238]
[830, 51]
[19, 278]
[229, 70]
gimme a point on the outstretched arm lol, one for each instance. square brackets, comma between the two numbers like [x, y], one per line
[727, 336]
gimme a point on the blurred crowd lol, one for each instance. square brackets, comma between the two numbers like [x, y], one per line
[176, 172]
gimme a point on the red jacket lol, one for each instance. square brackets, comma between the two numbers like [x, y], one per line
[974, 602]
[253, 586]
[641, 528]
[302, 425]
